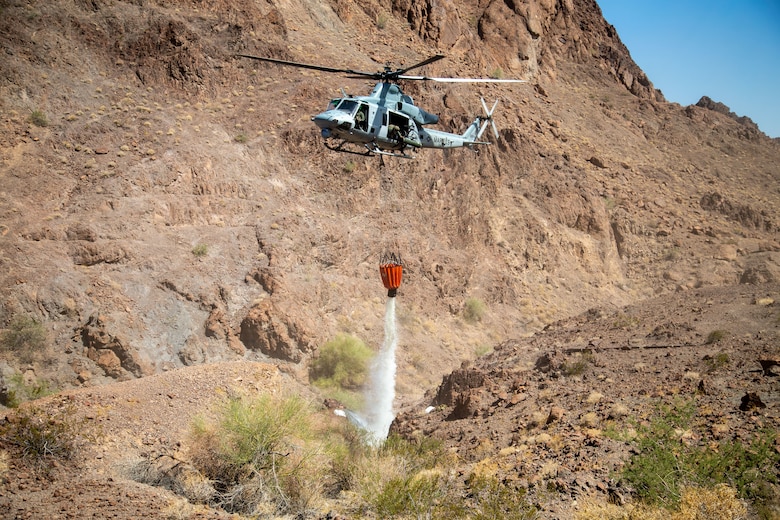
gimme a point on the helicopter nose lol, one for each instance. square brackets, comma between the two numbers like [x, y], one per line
[332, 120]
[325, 120]
[322, 120]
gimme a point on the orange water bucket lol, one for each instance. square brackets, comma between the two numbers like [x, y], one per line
[391, 277]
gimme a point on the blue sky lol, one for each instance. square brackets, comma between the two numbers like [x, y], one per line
[727, 50]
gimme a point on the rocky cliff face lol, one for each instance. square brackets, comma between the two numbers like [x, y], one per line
[165, 203]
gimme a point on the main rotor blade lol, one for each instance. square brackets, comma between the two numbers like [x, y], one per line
[424, 62]
[383, 75]
[461, 80]
[387, 74]
[307, 66]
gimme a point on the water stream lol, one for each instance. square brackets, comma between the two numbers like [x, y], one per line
[380, 391]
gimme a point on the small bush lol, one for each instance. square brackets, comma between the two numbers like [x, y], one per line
[41, 438]
[25, 337]
[19, 391]
[349, 166]
[654, 471]
[260, 451]
[381, 21]
[716, 336]
[714, 363]
[241, 138]
[625, 322]
[341, 363]
[494, 499]
[717, 503]
[483, 350]
[412, 496]
[401, 478]
[200, 250]
[664, 465]
[38, 118]
[578, 365]
[473, 310]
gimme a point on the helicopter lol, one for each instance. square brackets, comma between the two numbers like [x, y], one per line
[387, 122]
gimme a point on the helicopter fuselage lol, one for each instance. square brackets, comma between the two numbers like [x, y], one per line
[388, 120]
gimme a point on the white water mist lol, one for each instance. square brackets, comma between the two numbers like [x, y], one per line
[380, 392]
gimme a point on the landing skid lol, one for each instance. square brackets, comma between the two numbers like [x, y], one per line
[341, 148]
[371, 150]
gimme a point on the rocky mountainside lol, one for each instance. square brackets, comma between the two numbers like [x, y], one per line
[176, 206]
[165, 203]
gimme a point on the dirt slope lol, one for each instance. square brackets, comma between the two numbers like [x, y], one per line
[535, 411]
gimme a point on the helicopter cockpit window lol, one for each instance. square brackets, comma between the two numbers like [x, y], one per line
[333, 103]
[347, 105]
[361, 117]
[407, 99]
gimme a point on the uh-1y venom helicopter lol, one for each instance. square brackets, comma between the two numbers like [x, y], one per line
[387, 121]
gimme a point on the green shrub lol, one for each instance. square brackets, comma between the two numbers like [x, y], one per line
[250, 432]
[578, 365]
[241, 138]
[664, 465]
[342, 362]
[402, 478]
[625, 322]
[716, 336]
[473, 310]
[41, 438]
[413, 495]
[425, 452]
[19, 391]
[260, 451]
[200, 250]
[349, 166]
[25, 336]
[714, 363]
[494, 499]
[275, 456]
[482, 350]
[654, 470]
[38, 118]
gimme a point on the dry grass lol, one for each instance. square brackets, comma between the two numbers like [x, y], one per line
[717, 503]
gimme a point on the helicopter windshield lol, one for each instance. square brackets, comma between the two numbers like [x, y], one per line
[347, 105]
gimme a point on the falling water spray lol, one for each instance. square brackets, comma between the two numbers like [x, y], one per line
[380, 393]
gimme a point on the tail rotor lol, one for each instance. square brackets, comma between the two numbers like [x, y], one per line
[488, 118]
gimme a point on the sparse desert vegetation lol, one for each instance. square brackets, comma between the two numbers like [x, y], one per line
[588, 323]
